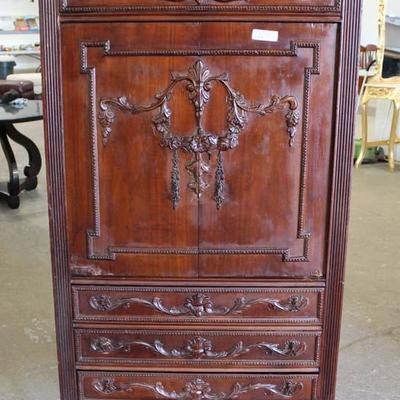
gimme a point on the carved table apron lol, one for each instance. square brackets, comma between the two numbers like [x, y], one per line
[9, 116]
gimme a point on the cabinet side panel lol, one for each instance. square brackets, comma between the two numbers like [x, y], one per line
[56, 196]
[342, 164]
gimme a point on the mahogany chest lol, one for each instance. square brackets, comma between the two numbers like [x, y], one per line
[199, 157]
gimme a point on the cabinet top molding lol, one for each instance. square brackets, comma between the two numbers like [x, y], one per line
[316, 7]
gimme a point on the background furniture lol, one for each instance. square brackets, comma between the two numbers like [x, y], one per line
[9, 116]
[368, 56]
[35, 78]
[19, 33]
[391, 65]
[199, 158]
[23, 87]
[379, 88]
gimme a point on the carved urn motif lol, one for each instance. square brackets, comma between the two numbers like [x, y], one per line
[199, 304]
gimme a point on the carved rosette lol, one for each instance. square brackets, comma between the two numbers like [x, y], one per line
[199, 389]
[201, 144]
[198, 305]
[198, 348]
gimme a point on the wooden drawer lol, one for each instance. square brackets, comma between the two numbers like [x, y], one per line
[134, 386]
[274, 6]
[224, 305]
[198, 349]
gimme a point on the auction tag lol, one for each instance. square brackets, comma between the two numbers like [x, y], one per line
[264, 35]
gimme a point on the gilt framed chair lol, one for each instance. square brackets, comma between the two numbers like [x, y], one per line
[378, 88]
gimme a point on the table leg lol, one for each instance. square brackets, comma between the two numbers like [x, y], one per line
[364, 129]
[14, 188]
[35, 160]
[393, 134]
[30, 171]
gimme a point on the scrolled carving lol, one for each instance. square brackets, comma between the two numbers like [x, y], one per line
[199, 389]
[390, 93]
[106, 345]
[198, 348]
[292, 348]
[199, 82]
[198, 305]
[293, 304]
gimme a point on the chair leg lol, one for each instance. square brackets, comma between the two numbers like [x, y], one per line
[393, 134]
[364, 133]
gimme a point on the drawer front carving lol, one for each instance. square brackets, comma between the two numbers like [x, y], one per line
[285, 305]
[273, 6]
[198, 348]
[131, 386]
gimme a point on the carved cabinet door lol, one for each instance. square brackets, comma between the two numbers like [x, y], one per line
[191, 148]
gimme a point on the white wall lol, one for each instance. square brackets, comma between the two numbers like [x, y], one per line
[19, 8]
[393, 7]
[369, 26]
[369, 21]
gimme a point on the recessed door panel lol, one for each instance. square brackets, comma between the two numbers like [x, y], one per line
[192, 153]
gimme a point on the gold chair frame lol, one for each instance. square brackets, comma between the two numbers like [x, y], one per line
[378, 87]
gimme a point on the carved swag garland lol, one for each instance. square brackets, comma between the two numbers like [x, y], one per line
[199, 83]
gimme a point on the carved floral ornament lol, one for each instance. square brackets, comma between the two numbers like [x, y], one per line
[199, 389]
[199, 305]
[197, 348]
[201, 144]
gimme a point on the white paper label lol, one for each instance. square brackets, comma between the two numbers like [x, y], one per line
[264, 35]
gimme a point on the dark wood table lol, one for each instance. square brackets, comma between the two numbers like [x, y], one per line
[9, 116]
